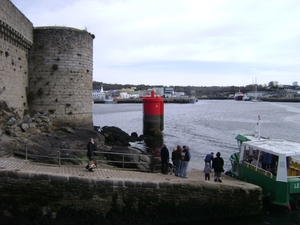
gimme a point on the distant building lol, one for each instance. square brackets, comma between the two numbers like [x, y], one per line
[179, 94]
[98, 94]
[158, 90]
[169, 92]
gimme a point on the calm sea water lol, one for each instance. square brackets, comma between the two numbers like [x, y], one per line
[211, 126]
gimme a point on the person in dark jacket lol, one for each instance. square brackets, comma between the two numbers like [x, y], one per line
[177, 160]
[217, 165]
[90, 154]
[164, 155]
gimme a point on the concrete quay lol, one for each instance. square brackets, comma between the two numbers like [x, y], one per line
[123, 197]
[21, 166]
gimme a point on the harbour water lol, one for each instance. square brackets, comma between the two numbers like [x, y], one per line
[211, 126]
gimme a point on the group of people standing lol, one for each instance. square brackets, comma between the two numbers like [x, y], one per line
[215, 163]
[181, 157]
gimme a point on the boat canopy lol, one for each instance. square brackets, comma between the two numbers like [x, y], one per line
[241, 138]
[276, 147]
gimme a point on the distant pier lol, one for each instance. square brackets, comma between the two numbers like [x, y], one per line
[140, 100]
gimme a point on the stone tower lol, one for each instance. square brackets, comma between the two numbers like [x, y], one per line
[60, 64]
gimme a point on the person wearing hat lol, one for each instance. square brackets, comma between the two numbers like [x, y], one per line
[208, 159]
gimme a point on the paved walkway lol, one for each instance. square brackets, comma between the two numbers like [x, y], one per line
[14, 164]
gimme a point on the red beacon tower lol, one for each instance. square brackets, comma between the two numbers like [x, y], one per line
[153, 108]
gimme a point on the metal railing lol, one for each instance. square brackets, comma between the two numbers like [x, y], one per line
[258, 169]
[79, 156]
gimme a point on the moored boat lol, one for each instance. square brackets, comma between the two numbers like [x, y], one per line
[239, 96]
[272, 164]
[109, 100]
[246, 98]
[192, 100]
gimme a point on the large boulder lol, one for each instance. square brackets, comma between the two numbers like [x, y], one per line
[129, 157]
[116, 136]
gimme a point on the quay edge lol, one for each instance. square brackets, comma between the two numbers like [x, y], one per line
[122, 197]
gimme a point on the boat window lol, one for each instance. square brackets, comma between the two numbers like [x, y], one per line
[256, 159]
[293, 166]
[246, 154]
[250, 155]
[263, 162]
[274, 165]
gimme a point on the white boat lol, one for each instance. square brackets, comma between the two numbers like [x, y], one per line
[109, 100]
[246, 98]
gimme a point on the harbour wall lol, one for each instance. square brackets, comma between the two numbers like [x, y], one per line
[113, 199]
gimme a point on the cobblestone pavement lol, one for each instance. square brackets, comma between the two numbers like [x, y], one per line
[13, 164]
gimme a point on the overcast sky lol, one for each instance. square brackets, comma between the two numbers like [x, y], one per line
[186, 42]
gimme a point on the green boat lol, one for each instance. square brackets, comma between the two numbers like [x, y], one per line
[272, 164]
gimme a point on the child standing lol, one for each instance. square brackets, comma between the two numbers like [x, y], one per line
[207, 170]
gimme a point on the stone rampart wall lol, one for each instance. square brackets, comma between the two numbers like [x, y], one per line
[15, 40]
[45, 69]
[118, 201]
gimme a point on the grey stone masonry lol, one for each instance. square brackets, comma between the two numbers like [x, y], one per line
[15, 40]
[135, 197]
[61, 75]
[45, 69]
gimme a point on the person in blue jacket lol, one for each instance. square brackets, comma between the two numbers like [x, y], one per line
[208, 159]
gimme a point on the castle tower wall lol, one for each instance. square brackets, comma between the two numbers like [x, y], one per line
[61, 75]
[15, 39]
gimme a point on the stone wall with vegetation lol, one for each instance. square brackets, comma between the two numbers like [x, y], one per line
[81, 200]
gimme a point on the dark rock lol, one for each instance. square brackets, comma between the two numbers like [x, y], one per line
[3, 106]
[115, 136]
[132, 158]
[11, 121]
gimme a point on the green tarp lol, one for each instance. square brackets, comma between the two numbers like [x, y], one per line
[241, 138]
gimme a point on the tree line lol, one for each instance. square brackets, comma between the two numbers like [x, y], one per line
[211, 91]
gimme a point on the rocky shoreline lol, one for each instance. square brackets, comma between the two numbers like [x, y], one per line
[35, 137]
